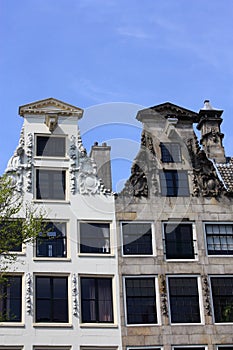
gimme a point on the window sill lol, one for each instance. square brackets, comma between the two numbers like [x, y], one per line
[187, 324]
[144, 325]
[51, 259]
[95, 255]
[57, 158]
[98, 325]
[52, 201]
[181, 260]
[139, 256]
[12, 324]
[50, 324]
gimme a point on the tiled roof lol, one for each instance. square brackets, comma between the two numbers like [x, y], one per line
[226, 172]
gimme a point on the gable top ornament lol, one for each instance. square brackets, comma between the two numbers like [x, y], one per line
[168, 110]
[51, 105]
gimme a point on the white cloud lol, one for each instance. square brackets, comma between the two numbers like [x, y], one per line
[132, 32]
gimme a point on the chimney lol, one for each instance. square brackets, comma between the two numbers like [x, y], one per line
[101, 156]
[211, 136]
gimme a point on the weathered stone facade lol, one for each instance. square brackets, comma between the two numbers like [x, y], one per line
[209, 200]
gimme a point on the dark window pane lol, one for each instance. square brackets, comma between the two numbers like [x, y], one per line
[222, 294]
[137, 239]
[50, 146]
[184, 300]
[96, 300]
[94, 238]
[52, 243]
[179, 241]
[11, 299]
[171, 152]
[51, 299]
[50, 184]
[140, 300]
[174, 183]
[219, 239]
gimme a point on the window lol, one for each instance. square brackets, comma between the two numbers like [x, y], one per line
[137, 238]
[11, 235]
[11, 299]
[174, 183]
[140, 300]
[51, 299]
[53, 242]
[225, 347]
[178, 241]
[170, 152]
[94, 238]
[219, 238]
[47, 146]
[222, 294]
[189, 348]
[50, 184]
[184, 300]
[96, 300]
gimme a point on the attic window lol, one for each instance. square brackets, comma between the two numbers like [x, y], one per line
[170, 152]
[50, 146]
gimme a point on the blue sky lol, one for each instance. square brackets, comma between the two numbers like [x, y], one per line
[111, 58]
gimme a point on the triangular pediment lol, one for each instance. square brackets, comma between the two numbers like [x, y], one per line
[168, 110]
[50, 105]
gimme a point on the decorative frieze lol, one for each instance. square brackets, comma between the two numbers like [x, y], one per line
[75, 295]
[28, 296]
[206, 294]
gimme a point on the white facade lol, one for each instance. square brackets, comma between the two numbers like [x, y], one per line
[82, 198]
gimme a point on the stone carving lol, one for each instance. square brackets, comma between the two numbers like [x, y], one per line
[205, 178]
[206, 293]
[28, 293]
[15, 165]
[163, 294]
[143, 171]
[74, 294]
[73, 166]
[28, 167]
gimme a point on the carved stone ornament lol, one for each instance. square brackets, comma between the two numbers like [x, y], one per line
[74, 294]
[163, 295]
[206, 294]
[28, 296]
[143, 171]
[205, 179]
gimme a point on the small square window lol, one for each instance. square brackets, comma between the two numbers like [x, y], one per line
[137, 238]
[179, 242]
[140, 294]
[50, 184]
[222, 294]
[50, 146]
[174, 183]
[94, 238]
[52, 243]
[171, 152]
[96, 300]
[184, 300]
[51, 299]
[219, 238]
[11, 299]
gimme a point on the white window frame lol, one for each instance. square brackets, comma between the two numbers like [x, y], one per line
[50, 136]
[114, 324]
[111, 238]
[197, 347]
[150, 347]
[51, 200]
[53, 347]
[212, 300]
[205, 238]
[47, 258]
[22, 322]
[152, 240]
[200, 299]
[157, 299]
[69, 301]
[194, 232]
